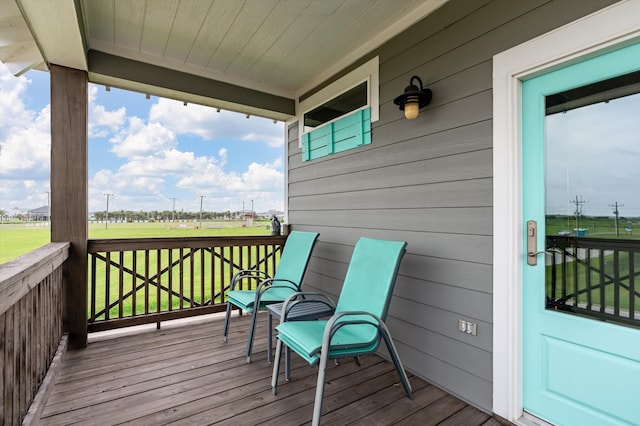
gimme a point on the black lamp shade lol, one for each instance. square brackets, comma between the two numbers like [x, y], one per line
[413, 94]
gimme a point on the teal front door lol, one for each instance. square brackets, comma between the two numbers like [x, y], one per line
[581, 211]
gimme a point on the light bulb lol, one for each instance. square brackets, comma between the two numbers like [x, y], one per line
[411, 110]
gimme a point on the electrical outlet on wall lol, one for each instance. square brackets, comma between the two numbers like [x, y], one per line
[468, 327]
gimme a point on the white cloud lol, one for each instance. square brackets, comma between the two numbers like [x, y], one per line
[25, 140]
[25, 151]
[263, 178]
[18, 196]
[13, 112]
[262, 181]
[172, 162]
[101, 121]
[152, 165]
[142, 139]
[206, 123]
[271, 140]
[222, 154]
[126, 193]
[25, 135]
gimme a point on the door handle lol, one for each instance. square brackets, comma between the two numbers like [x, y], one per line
[532, 243]
[549, 251]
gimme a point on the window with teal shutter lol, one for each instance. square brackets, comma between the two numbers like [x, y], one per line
[346, 133]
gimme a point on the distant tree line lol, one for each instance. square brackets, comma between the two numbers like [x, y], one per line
[164, 216]
[149, 216]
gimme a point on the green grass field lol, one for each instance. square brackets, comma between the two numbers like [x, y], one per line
[19, 239]
[597, 227]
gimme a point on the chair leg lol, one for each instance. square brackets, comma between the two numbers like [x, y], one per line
[252, 330]
[269, 337]
[287, 363]
[226, 322]
[398, 364]
[317, 406]
[276, 368]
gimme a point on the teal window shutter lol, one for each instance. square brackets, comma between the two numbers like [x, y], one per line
[349, 132]
[306, 141]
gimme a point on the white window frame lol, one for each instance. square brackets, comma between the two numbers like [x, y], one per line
[594, 34]
[369, 72]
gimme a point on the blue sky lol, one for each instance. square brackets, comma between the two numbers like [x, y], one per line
[144, 151]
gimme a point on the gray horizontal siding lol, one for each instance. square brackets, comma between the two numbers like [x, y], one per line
[428, 182]
[475, 221]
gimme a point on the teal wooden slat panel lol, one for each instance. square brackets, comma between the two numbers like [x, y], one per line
[330, 139]
[306, 147]
[347, 133]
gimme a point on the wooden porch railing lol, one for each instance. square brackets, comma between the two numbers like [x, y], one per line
[596, 277]
[30, 324]
[149, 280]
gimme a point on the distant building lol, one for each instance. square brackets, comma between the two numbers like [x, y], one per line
[41, 213]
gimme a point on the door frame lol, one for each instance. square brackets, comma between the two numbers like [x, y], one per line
[602, 31]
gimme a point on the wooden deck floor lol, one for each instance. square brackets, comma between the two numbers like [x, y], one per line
[187, 375]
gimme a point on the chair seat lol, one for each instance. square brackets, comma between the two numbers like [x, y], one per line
[246, 298]
[305, 338]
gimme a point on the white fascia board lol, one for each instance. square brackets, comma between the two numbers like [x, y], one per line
[56, 30]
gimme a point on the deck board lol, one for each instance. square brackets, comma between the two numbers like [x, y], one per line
[187, 375]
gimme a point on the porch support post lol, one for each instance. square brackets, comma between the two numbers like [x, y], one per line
[69, 117]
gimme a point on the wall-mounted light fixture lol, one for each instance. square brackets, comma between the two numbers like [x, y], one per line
[413, 99]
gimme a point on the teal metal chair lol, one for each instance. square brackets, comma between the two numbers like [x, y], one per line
[357, 327]
[287, 279]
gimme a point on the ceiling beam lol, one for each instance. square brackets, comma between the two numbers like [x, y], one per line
[151, 79]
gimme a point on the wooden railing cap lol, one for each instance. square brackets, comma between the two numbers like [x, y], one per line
[20, 275]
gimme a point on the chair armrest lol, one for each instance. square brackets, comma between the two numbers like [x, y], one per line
[304, 297]
[247, 274]
[333, 324]
[267, 285]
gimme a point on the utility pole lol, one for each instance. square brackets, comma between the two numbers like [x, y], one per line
[578, 210]
[616, 212]
[173, 210]
[201, 198]
[106, 216]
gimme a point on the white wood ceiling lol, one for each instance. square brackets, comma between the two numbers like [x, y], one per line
[280, 47]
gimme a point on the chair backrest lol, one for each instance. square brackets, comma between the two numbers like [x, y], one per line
[295, 257]
[371, 276]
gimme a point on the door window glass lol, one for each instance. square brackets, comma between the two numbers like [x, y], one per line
[592, 200]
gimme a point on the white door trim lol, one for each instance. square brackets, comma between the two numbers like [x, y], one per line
[604, 30]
